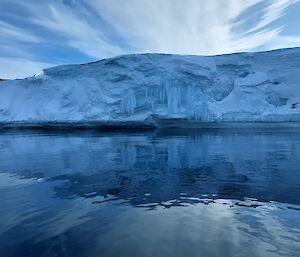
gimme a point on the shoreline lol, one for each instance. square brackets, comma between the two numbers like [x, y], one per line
[144, 126]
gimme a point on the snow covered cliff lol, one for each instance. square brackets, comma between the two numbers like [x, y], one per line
[159, 90]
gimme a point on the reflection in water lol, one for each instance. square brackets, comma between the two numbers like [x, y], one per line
[76, 194]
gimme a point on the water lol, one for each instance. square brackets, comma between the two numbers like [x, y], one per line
[213, 193]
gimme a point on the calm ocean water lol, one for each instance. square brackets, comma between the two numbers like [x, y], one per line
[213, 193]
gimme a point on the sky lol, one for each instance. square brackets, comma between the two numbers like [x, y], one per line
[36, 34]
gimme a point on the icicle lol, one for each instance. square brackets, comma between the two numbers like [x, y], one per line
[173, 98]
[190, 102]
[128, 103]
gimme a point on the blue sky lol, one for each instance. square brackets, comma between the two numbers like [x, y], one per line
[36, 34]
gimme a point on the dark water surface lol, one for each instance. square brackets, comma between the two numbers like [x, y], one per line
[213, 193]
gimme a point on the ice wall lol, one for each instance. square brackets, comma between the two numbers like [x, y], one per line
[159, 90]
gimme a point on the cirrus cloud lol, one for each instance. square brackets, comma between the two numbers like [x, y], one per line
[34, 32]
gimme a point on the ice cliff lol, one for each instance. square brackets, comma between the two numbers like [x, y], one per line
[159, 90]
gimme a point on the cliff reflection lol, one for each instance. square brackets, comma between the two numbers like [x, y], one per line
[154, 168]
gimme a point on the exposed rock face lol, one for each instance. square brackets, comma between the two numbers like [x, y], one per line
[159, 90]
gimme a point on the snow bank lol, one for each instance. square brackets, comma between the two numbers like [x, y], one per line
[159, 90]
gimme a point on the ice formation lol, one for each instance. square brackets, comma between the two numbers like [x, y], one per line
[159, 90]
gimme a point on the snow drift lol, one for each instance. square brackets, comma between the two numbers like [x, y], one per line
[159, 90]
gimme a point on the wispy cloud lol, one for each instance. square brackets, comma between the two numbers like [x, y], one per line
[79, 29]
[103, 28]
[190, 26]
[10, 32]
[272, 12]
[285, 41]
[13, 67]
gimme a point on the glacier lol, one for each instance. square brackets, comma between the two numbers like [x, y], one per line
[159, 90]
